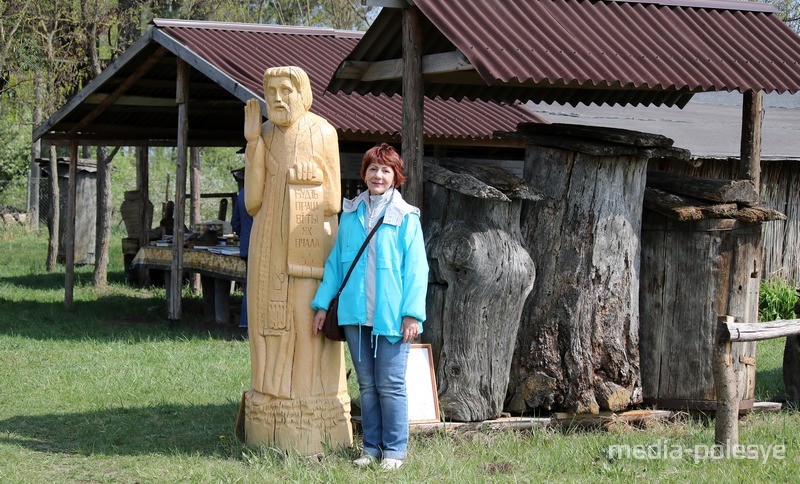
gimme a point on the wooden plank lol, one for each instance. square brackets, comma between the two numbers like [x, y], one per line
[750, 155]
[506, 423]
[392, 69]
[766, 407]
[585, 146]
[609, 419]
[762, 330]
[758, 214]
[717, 190]
[683, 208]
[69, 230]
[120, 90]
[613, 135]
[176, 268]
[413, 107]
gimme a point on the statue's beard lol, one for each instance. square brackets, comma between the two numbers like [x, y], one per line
[286, 114]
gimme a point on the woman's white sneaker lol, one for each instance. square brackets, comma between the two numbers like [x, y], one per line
[364, 460]
[391, 464]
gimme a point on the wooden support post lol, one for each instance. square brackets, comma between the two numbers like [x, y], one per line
[750, 158]
[726, 426]
[222, 301]
[145, 215]
[413, 106]
[194, 203]
[176, 268]
[69, 230]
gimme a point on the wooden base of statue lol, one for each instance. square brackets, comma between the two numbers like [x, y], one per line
[480, 277]
[577, 346]
[304, 425]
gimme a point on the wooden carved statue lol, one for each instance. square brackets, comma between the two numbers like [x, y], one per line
[299, 397]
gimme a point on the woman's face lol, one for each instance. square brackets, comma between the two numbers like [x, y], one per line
[379, 178]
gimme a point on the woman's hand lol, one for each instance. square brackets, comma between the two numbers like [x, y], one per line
[319, 320]
[410, 329]
[252, 120]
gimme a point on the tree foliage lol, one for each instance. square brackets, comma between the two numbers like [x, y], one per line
[49, 49]
[789, 12]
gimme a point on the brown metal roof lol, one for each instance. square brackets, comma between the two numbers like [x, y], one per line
[228, 61]
[590, 51]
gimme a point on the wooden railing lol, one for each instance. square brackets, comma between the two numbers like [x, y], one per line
[726, 427]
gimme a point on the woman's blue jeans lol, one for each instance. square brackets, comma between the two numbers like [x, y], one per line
[382, 382]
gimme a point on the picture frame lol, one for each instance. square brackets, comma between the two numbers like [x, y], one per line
[423, 398]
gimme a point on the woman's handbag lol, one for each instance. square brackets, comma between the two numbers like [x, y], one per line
[331, 326]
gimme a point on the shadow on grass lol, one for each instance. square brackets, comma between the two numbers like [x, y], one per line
[160, 429]
[56, 280]
[769, 384]
[110, 318]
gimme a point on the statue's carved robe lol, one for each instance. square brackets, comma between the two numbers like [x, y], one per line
[299, 390]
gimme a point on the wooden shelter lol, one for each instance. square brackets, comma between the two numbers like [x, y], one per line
[184, 84]
[86, 197]
[632, 52]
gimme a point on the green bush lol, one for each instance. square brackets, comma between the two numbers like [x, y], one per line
[776, 300]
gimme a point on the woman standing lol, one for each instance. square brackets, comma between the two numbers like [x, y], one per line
[382, 306]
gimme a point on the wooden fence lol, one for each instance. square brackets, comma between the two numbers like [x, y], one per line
[726, 427]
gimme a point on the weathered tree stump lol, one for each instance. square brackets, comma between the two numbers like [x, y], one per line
[480, 276]
[577, 347]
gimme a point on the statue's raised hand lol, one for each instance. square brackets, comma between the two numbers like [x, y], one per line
[252, 120]
[305, 172]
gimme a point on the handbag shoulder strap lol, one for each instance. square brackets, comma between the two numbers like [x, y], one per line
[358, 256]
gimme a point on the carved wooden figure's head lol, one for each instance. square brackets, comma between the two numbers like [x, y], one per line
[287, 91]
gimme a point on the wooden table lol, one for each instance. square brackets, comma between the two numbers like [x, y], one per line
[217, 273]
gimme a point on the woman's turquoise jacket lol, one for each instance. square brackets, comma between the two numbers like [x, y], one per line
[401, 279]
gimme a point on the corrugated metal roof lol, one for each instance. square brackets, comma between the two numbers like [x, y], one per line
[593, 51]
[228, 61]
[244, 52]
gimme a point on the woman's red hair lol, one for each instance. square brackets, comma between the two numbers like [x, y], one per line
[384, 154]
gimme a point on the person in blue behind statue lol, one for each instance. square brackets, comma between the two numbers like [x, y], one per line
[242, 222]
[382, 306]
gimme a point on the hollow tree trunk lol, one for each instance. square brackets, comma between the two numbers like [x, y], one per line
[577, 347]
[481, 275]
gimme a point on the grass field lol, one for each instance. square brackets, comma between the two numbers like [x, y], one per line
[108, 392]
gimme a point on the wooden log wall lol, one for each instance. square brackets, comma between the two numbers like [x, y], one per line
[578, 343]
[780, 190]
[480, 276]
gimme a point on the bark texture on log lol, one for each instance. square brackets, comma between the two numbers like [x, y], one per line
[480, 276]
[577, 347]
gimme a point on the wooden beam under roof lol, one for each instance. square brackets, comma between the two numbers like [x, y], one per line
[120, 90]
[432, 64]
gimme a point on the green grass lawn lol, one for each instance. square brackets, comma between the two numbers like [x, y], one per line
[109, 392]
